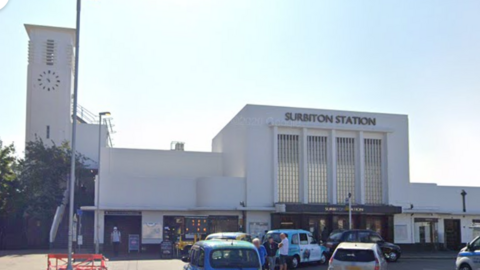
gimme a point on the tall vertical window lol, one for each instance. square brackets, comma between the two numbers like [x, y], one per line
[317, 169]
[373, 171]
[48, 132]
[288, 168]
[50, 52]
[345, 169]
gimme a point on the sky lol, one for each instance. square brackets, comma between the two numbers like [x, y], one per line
[178, 70]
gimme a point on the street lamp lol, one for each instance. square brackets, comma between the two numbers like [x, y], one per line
[464, 193]
[349, 201]
[73, 142]
[97, 223]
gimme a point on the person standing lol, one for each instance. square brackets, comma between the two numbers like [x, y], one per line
[283, 248]
[116, 239]
[271, 247]
[261, 251]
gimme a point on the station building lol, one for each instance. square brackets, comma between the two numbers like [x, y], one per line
[270, 167]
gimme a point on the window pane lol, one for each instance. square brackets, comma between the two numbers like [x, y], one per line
[317, 169]
[373, 171]
[345, 169]
[303, 239]
[288, 168]
[354, 255]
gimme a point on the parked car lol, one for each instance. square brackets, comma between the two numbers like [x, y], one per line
[358, 256]
[222, 255]
[230, 236]
[303, 247]
[391, 251]
[469, 257]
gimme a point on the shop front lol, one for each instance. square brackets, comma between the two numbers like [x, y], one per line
[321, 220]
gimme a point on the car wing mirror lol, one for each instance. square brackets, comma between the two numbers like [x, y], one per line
[185, 259]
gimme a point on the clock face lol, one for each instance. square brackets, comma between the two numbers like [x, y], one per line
[48, 80]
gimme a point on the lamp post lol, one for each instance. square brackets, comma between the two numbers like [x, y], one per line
[349, 201]
[73, 142]
[97, 222]
[464, 193]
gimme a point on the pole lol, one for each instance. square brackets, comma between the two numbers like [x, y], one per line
[463, 200]
[97, 223]
[74, 131]
[350, 210]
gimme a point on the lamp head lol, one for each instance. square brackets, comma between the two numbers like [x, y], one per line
[104, 113]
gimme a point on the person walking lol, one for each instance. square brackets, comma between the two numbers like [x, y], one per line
[116, 239]
[271, 247]
[261, 251]
[283, 249]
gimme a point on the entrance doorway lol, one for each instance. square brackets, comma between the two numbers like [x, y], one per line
[126, 225]
[453, 237]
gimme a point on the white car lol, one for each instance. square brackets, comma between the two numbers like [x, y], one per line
[469, 257]
[357, 256]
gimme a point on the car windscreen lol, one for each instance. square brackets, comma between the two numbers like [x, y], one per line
[236, 258]
[275, 236]
[335, 236]
[354, 255]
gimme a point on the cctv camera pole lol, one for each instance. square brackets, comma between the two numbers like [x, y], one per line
[74, 131]
[350, 211]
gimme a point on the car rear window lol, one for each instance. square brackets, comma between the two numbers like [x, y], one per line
[354, 255]
[234, 258]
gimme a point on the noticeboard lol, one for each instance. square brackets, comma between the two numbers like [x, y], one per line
[196, 225]
[133, 242]
[166, 250]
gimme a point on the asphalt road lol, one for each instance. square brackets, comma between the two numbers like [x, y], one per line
[415, 264]
[37, 260]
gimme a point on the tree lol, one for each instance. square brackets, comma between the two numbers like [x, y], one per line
[45, 174]
[10, 201]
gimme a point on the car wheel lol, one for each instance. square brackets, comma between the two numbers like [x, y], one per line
[295, 262]
[323, 259]
[392, 256]
[465, 267]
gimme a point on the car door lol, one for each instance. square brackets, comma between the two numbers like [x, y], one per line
[191, 263]
[315, 252]
[381, 258]
[305, 249]
[475, 249]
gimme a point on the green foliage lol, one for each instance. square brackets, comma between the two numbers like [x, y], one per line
[8, 178]
[45, 174]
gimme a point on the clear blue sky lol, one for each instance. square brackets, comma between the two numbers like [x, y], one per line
[180, 70]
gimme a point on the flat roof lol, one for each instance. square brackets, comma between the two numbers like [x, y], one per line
[32, 27]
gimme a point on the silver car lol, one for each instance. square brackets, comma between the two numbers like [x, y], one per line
[357, 256]
[469, 257]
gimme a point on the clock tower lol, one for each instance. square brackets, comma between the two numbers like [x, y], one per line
[49, 83]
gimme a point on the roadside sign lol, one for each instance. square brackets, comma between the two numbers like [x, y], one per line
[133, 242]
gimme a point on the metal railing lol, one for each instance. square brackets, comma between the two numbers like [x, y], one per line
[87, 117]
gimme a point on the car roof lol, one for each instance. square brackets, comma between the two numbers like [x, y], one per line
[353, 245]
[288, 231]
[215, 243]
[227, 234]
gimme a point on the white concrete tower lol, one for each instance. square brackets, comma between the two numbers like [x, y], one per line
[49, 83]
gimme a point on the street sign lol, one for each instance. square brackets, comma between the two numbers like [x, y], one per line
[79, 212]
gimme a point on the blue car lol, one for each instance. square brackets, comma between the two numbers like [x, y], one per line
[222, 255]
[303, 247]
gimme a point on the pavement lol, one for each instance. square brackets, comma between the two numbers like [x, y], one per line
[33, 260]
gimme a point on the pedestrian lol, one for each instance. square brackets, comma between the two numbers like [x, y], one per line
[272, 248]
[325, 234]
[283, 248]
[261, 251]
[116, 239]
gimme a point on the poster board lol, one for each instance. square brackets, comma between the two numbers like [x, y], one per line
[166, 250]
[133, 242]
[152, 233]
[257, 229]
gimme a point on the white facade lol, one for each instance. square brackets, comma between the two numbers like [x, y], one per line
[269, 166]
